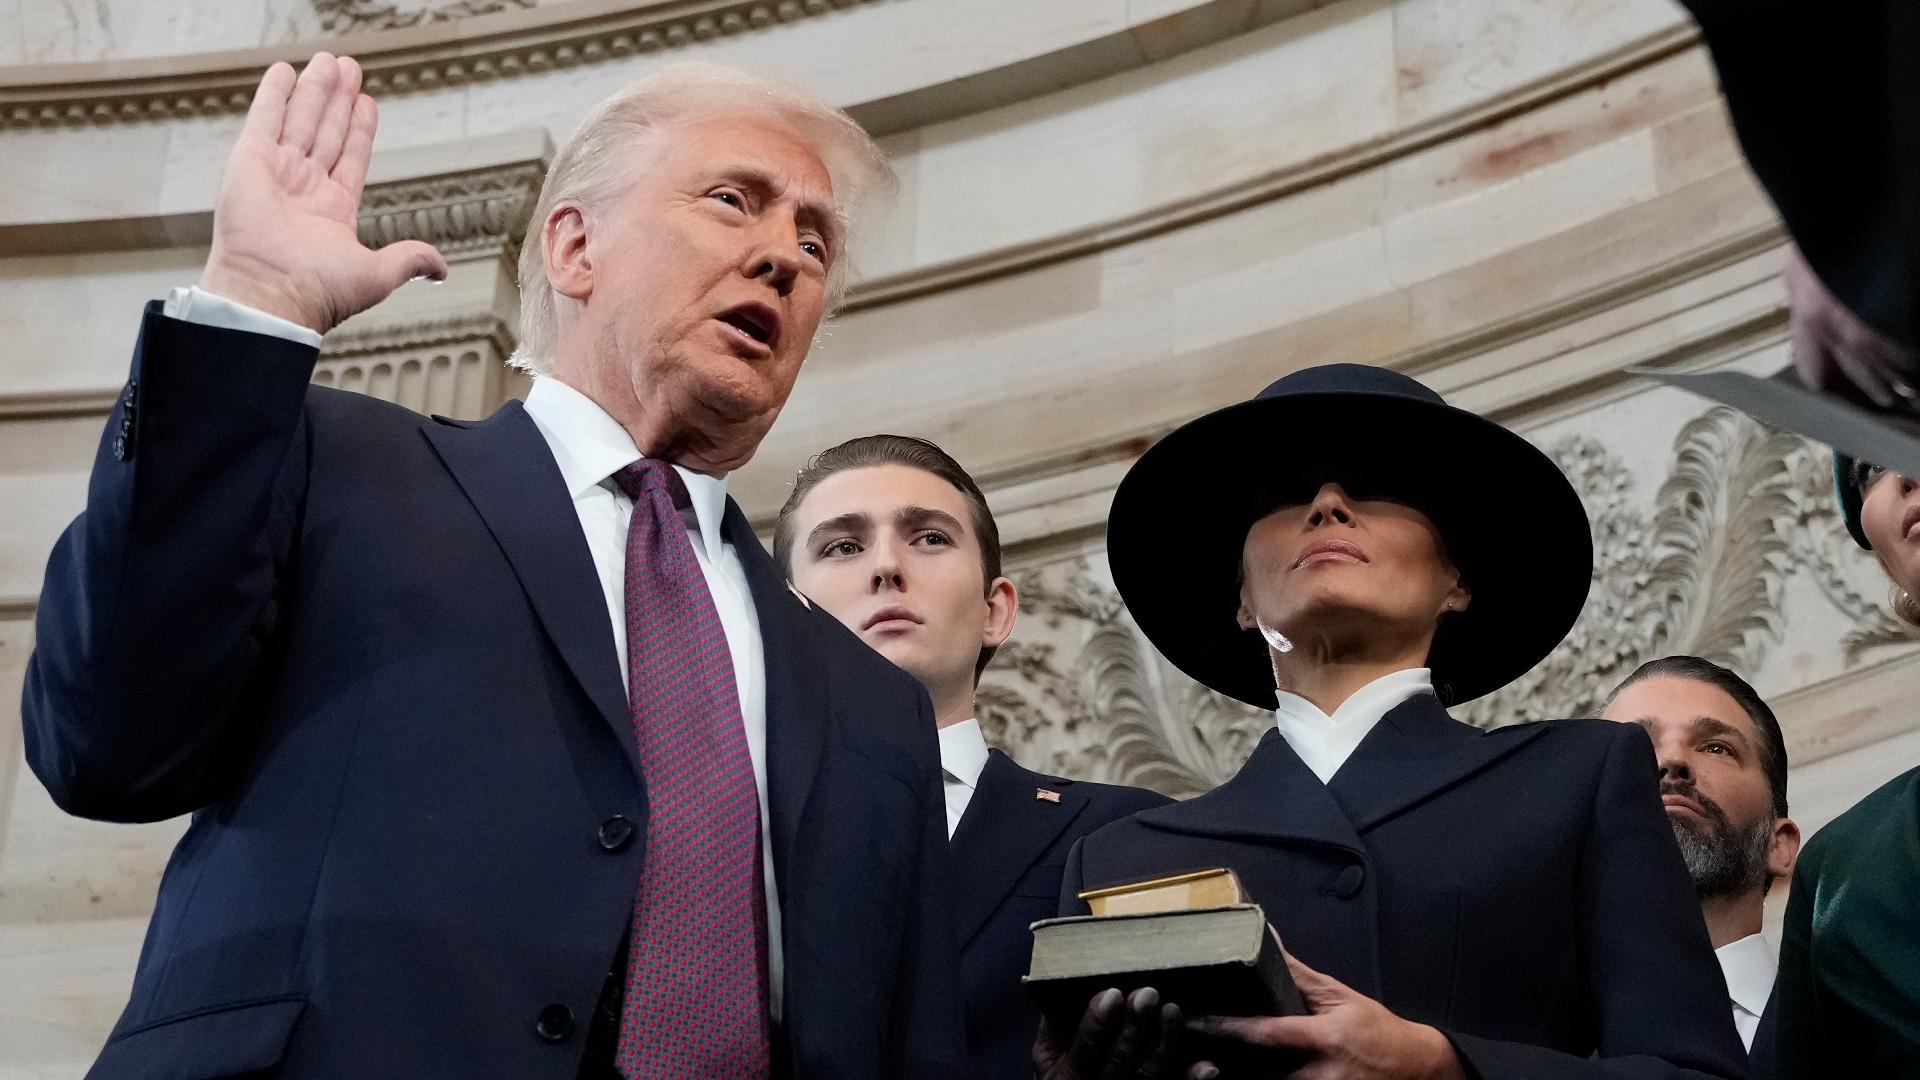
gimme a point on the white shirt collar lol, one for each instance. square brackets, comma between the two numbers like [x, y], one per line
[1749, 967]
[590, 446]
[963, 752]
[1325, 742]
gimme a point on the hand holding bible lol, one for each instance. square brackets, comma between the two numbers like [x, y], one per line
[1346, 1035]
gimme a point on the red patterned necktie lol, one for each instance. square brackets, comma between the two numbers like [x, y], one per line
[696, 1001]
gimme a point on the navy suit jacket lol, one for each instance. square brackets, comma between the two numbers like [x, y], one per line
[1005, 864]
[1519, 889]
[368, 651]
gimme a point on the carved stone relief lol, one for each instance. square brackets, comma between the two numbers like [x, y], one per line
[438, 63]
[347, 16]
[1700, 568]
[480, 212]
[449, 362]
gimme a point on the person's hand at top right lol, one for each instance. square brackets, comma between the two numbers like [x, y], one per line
[1835, 349]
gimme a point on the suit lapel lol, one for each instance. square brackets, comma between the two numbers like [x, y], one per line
[1274, 798]
[1414, 753]
[797, 705]
[1004, 832]
[508, 473]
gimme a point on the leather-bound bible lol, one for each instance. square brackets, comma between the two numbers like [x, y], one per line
[1218, 959]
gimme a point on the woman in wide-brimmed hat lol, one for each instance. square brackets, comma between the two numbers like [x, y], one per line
[1352, 552]
[1847, 996]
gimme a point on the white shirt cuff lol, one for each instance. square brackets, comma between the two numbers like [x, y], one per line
[196, 305]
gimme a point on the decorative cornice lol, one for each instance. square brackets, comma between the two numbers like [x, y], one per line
[348, 16]
[422, 57]
[421, 335]
[463, 202]
[886, 289]
[462, 213]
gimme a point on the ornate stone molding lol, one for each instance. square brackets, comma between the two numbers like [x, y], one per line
[348, 16]
[886, 289]
[420, 57]
[481, 211]
[423, 335]
[451, 365]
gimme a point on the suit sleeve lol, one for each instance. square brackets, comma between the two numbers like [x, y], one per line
[1659, 1007]
[159, 600]
[932, 1040]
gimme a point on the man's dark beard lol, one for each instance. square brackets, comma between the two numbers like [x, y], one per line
[1722, 858]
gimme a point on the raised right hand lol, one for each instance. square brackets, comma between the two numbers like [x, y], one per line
[284, 224]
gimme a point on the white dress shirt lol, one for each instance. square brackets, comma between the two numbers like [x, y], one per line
[1326, 742]
[963, 756]
[590, 446]
[1749, 967]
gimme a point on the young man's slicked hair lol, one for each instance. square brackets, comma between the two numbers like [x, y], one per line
[870, 451]
[1773, 746]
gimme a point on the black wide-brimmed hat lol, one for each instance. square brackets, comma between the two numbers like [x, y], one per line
[1511, 522]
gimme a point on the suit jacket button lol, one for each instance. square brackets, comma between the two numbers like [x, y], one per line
[616, 833]
[128, 395]
[555, 1023]
[119, 448]
[1347, 885]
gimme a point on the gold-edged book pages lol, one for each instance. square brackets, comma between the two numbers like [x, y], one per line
[1212, 888]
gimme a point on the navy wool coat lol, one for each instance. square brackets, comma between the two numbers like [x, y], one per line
[1519, 889]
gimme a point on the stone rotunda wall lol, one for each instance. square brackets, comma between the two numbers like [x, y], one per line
[1113, 215]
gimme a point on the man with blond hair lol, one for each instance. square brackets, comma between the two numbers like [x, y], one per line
[509, 751]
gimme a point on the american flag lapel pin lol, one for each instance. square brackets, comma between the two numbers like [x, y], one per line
[1043, 795]
[800, 596]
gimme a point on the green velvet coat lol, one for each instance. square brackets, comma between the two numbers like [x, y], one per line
[1848, 992]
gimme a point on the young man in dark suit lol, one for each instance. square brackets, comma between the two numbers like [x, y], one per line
[891, 536]
[508, 750]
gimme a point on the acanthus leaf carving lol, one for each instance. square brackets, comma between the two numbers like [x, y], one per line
[1718, 523]
[483, 210]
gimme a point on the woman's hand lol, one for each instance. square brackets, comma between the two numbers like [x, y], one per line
[1346, 1036]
